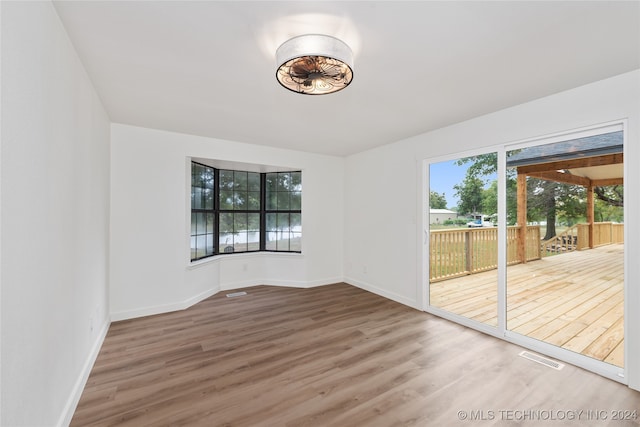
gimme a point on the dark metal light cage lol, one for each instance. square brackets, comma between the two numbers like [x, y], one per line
[314, 64]
[314, 75]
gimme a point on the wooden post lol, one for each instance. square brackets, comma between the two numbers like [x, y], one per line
[590, 214]
[522, 217]
[468, 251]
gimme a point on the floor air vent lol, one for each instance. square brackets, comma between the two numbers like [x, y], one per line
[236, 294]
[542, 360]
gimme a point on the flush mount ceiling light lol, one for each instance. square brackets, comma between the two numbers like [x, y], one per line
[314, 64]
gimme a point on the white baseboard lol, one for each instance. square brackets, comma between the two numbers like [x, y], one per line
[304, 285]
[78, 387]
[145, 311]
[181, 305]
[200, 297]
[239, 285]
[281, 283]
[163, 308]
[382, 292]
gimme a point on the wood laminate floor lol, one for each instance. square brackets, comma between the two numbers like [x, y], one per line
[330, 356]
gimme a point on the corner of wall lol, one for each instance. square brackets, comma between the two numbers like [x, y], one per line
[81, 381]
[383, 293]
[163, 308]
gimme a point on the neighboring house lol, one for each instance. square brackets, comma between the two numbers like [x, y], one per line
[439, 216]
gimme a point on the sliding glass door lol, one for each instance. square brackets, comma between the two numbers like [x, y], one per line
[463, 237]
[565, 240]
[527, 242]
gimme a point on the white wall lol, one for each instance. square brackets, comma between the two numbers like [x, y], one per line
[361, 213]
[150, 181]
[380, 212]
[382, 249]
[55, 219]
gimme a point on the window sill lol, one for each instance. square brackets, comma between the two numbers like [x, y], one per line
[217, 258]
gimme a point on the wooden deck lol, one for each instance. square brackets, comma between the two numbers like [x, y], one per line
[573, 300]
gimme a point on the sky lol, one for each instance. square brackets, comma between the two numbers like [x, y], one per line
[444, 175]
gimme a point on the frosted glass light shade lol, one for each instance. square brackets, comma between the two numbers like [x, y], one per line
[314, 64]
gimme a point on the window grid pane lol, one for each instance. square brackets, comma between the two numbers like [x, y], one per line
[283, 225]
[239, 208]
[202, 211]
[231, 212]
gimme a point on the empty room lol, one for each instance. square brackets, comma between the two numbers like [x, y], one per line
[318, 213]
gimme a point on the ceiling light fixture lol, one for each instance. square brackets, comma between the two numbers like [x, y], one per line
[314, 64]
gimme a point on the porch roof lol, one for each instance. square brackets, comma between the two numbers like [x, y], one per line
[590, 146]
[594, 160]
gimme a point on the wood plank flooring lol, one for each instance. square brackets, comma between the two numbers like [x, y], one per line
[328, 356]
[573, 300]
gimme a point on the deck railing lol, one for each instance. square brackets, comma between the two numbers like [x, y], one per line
[462, 251]
[532, 248]
[567, 241]
[606, 233]
[459, 252]
[576, 238]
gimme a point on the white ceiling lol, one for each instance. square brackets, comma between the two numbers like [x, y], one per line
[595, 173]
[208, 67]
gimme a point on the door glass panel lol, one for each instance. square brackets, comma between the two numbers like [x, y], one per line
[463, 237]
[565, 245]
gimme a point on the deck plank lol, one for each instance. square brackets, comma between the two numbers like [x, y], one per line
[574, 300]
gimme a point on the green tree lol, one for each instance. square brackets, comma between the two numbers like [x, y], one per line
[612, 195]
[473, 196]
[609, 203]
[571, 201]
[548, 200]
[541, 203]
[490, 198]
[482, 165]
[437, 200]
[470, 194]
